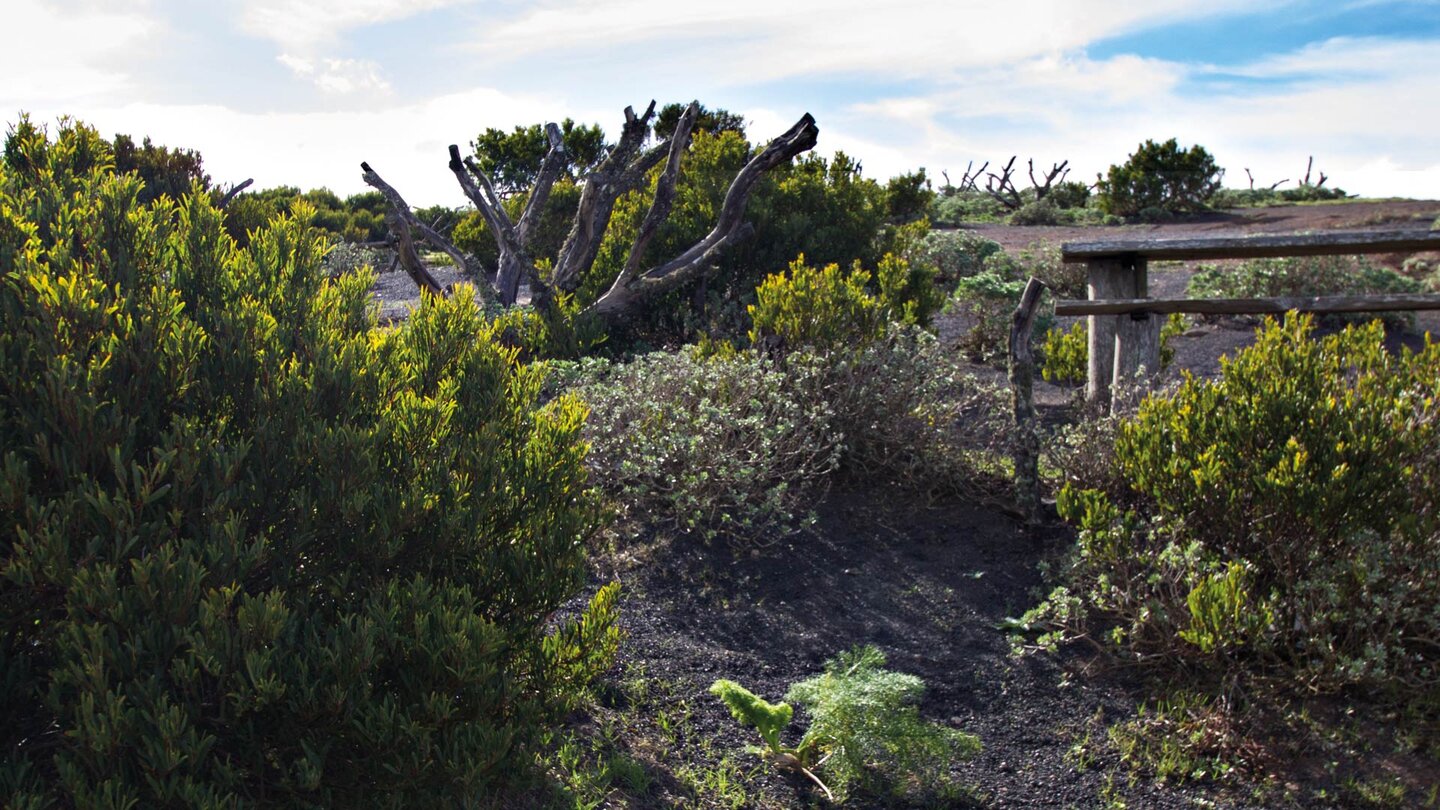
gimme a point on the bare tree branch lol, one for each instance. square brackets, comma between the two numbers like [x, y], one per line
[230, 195]
[728, 227]
[1057, 171]
[1002, 188]
[550, 169]
[664, 196]
[409, 259]
[403, 223]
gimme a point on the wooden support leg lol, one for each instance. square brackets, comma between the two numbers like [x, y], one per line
[1108, 278]
[1137, 358]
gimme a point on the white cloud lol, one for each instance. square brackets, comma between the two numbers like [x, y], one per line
[309, 25]
[55, 54]
[338, 76]
[406, 143]
[760, 40]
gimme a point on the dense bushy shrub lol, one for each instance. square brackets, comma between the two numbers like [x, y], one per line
[347, 257]
[358, 218]
[720, 445]
[1285, 512]
[254, 551]
[1037, 212]
[910, 413]
[825, 309]
[1306, 276]
[1069, 195]
[908, 197]
[163, 172]
[734, 444]
[956, 254]
[958, 207]
[1159, 179]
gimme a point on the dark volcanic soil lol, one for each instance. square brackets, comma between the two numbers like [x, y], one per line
[930, 587]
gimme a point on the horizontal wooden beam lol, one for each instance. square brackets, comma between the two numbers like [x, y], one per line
[1333, 243]
[1250, 306]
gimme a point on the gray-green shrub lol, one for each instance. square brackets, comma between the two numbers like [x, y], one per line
[717, 445]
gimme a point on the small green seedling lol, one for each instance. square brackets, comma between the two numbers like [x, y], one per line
[769, 719]
[864, 722]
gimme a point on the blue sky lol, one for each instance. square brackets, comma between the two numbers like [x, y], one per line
[299, 92]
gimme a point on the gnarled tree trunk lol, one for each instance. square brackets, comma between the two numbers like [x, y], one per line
[623, 170]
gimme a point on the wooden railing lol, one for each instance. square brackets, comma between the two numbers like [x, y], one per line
[1124, 322]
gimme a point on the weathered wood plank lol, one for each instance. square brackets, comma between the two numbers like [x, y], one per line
[1397, 302]
[1332, 243]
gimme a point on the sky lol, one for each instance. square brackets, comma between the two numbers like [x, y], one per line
[299, 92]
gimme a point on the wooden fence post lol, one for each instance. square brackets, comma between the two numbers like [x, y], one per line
[1022, 388]
[1137, 357]
[1108, 277]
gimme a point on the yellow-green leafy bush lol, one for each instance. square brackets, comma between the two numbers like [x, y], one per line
[1066, 353]
[1285, 511]
[828, 309]
[254, 551]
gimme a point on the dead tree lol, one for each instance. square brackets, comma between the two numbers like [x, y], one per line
[1057, 171]
[623, 170]
[1002, 188]
[968, 182]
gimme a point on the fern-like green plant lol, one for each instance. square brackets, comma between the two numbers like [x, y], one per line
[865, 729]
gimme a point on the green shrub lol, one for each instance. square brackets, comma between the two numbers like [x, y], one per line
[866, 734]
[1307, 276]
[1159, 180]
[730, 443]
[1066, 354]
[1037, 212]
[826, 310]
[713, 446]
[1069, 195]
[254, 550]
[959, 207]
[1286, 511]
[956, 254]
[348, 257]
[988, 298]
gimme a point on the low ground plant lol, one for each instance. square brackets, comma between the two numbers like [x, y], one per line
[1283, 515]
[865, 736]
